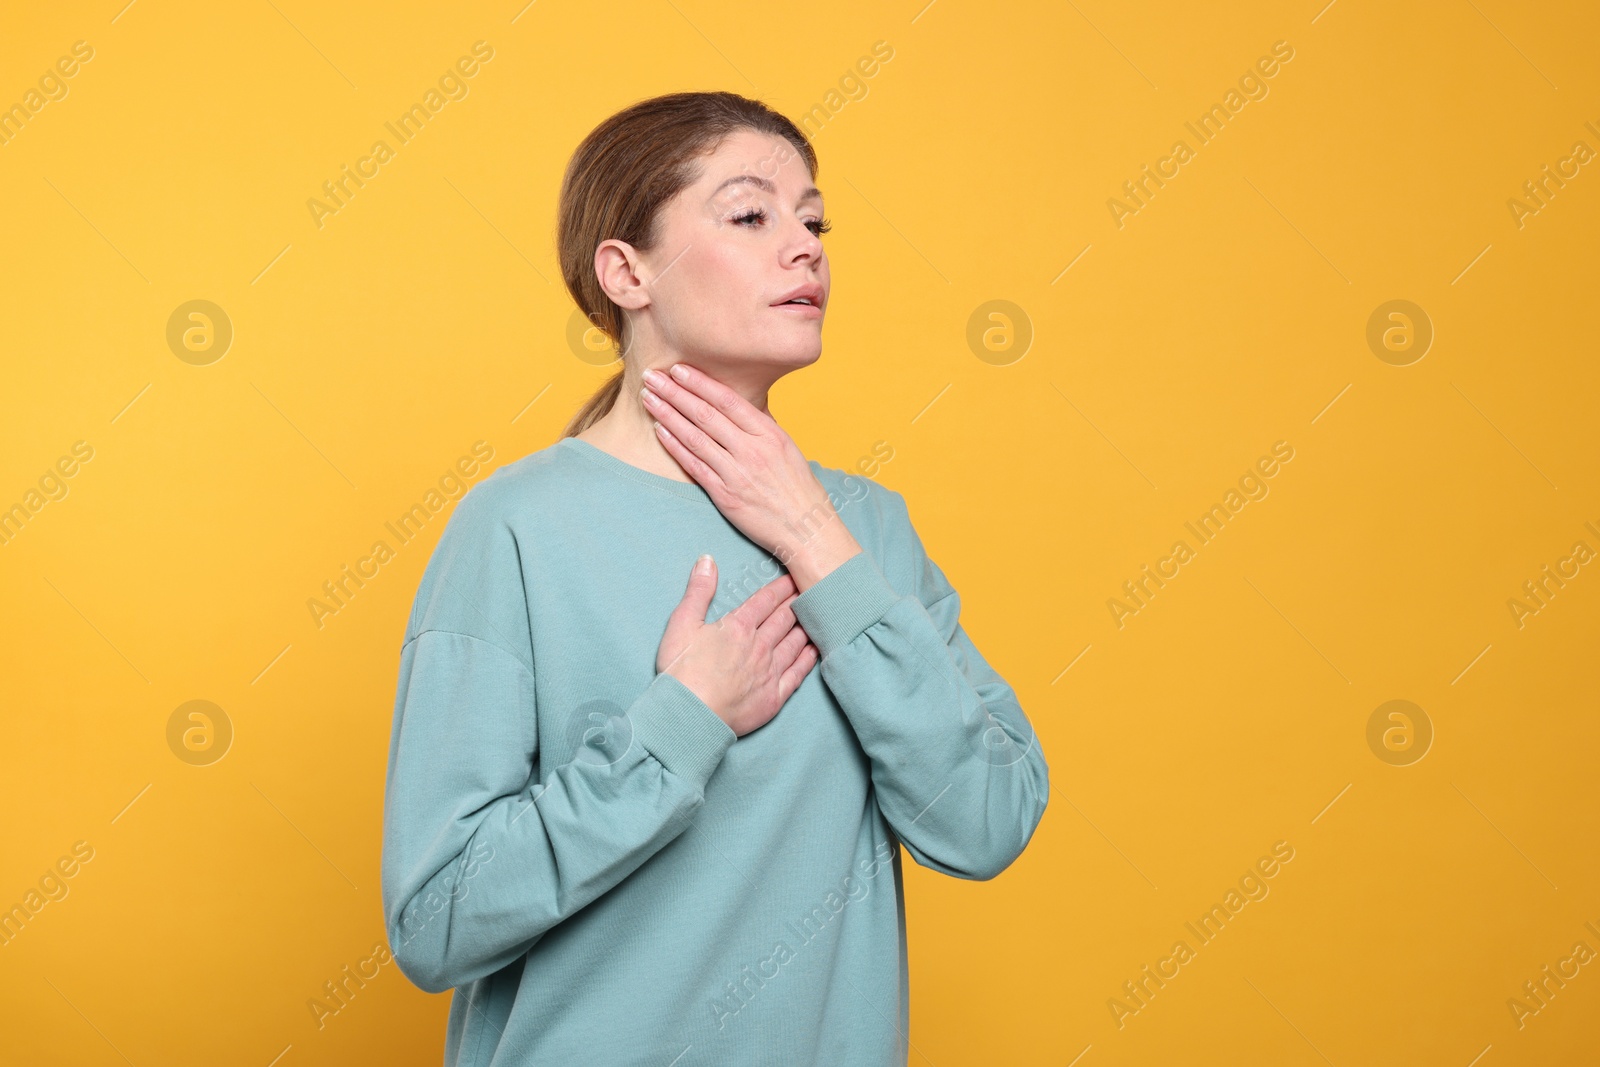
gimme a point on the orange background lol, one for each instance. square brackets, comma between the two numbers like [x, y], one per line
[1166, 352]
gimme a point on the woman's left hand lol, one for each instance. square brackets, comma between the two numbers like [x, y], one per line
[752, 470]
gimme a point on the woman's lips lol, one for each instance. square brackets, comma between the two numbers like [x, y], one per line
[805, 310]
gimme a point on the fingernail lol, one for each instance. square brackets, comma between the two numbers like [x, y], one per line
[703, 564]
[653, 376]
[680, 372]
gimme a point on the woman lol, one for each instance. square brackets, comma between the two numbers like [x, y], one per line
[624, 834]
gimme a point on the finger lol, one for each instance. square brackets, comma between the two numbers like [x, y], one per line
[697, 596]
[696, 425]
[764, 600]
[788, 650]
[691, 420]
[778, 591]
[714, 428]
[790, 680]
[698, 469]
[725, 406]
[778, 624]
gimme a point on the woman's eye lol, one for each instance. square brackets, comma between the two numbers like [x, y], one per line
[817, 226]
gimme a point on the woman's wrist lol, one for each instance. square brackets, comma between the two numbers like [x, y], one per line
[820, 555]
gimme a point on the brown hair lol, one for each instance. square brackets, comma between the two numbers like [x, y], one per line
[620, 177]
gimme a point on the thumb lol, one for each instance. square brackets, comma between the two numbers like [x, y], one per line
[702, 587]
[689, 616]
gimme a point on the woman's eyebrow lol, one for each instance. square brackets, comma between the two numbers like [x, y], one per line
[811, 193]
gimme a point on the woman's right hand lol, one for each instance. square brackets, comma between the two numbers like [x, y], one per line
[744, 665]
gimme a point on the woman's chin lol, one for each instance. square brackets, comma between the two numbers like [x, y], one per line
[795, 351]
[785, 353]
[794, 359]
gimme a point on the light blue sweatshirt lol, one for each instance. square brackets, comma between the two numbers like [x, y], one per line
[586, 853]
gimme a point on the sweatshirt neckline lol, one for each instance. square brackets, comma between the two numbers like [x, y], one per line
[687, 490]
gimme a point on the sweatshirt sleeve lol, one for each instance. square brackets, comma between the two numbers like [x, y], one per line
[480, 858]
[955, 764]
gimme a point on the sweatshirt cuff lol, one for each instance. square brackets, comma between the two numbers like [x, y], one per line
[680, 729]
[847, 600]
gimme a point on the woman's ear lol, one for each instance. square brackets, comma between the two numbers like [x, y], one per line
[617, 268]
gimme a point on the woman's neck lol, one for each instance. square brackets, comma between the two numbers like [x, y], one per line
[627, 431]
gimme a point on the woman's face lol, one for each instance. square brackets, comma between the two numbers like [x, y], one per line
[734, 246]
